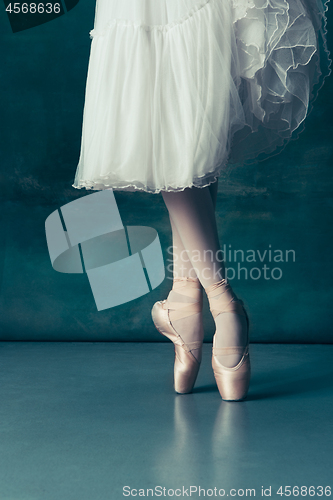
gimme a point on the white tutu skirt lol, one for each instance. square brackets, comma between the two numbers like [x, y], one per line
[177, 89]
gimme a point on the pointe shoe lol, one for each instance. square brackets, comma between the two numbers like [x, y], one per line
[233, 383]
[186, 365]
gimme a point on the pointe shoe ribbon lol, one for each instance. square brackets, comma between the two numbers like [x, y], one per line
[227, 300]
[186, 366]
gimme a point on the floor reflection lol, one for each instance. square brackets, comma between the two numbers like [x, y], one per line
[203, 435]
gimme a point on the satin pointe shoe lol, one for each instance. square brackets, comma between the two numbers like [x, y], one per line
[186, 365]
[233, 383]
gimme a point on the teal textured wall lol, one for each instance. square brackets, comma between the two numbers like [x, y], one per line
[284, 203]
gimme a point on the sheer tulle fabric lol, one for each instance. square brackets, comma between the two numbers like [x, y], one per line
[176, 89]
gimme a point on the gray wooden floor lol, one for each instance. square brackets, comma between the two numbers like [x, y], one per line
[80, 421]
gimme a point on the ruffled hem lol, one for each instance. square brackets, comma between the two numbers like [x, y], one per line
[204, 94]
[281, 82]
[200, 182]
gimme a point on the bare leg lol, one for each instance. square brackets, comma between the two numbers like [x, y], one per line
[189, 327]
[181, 263]
[193, 215]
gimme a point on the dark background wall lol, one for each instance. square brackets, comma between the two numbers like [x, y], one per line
[285, 202]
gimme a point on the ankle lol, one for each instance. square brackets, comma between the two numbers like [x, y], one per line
[221, 297]
[222, 286]
[186, 281]
[185, 289]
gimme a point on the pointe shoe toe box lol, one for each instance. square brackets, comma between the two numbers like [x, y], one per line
[186, 366]
[233, 383]
[186, 369]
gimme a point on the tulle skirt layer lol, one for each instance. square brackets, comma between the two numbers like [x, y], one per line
[176, 89]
